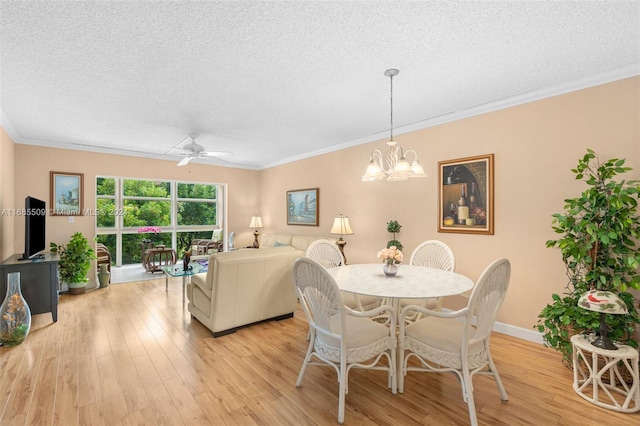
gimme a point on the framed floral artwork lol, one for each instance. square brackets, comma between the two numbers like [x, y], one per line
[465, 195]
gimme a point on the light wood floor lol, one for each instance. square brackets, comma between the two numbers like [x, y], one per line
[130, 354]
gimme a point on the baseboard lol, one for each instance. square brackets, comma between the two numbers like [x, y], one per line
[518, 332]
[514, 331]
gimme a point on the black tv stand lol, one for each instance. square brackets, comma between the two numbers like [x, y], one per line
[38, 282]
[34, 257]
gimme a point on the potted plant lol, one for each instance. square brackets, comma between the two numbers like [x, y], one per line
[75, 262]
[394, 227]
[599, 242]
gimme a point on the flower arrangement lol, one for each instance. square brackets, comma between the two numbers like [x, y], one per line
[391, 255]
[144, 229]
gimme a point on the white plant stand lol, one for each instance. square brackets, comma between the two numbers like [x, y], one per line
[610, 392]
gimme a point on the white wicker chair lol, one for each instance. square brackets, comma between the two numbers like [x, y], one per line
[328, 255]
[431, 254]
[442, 343]
[341, 337]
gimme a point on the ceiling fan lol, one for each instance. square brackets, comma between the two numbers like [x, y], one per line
[195, 150]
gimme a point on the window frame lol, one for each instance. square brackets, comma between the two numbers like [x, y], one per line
[119, 229]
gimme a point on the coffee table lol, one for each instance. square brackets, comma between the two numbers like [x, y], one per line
[178, 271]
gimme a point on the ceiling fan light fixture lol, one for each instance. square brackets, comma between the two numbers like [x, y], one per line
[195, 150]
[184, 161]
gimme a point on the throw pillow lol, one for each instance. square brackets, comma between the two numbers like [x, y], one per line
[277, 244]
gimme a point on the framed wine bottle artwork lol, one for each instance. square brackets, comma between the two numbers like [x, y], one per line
[465, 193]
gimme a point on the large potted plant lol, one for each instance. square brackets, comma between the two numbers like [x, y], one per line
[599, 234]
[75, 262]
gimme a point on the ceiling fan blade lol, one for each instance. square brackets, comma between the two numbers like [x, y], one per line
[217, 154]
[184, 161]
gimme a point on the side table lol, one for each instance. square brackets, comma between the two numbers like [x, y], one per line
[597, 374]
[155, 258]
[178, 271]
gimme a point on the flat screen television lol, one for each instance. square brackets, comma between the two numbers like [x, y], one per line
[35, 214]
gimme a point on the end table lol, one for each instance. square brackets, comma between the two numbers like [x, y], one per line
[178, 271]
[597, 375]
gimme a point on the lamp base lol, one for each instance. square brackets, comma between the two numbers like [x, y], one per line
[602, 341]
[341, 243]
[256, 243]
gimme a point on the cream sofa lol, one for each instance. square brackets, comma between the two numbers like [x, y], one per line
[246, 286]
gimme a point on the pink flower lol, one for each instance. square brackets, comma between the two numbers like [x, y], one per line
[145, 229]
[391, 255]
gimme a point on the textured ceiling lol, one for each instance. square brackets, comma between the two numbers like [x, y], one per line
[274, 81]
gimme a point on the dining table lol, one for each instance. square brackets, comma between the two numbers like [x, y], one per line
[410, 282]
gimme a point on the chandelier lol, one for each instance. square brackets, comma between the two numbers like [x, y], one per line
[393, 165]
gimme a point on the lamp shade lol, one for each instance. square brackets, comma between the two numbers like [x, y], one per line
[341, 226]
[374, 172]
[602, 301]
[256, 222]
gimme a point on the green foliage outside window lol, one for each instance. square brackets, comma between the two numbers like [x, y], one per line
[149, 203]
[145, 188]
[105, 186]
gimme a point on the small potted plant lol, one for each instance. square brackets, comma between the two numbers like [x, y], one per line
[75, 262]
[599, 242]
[394, 227]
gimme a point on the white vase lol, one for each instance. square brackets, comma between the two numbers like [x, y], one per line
[103, 275]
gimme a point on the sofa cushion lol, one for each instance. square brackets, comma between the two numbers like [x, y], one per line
[275, 250]
[200, 280]
[302, 242]
[205, 280]
[269, 240]
[299, 242]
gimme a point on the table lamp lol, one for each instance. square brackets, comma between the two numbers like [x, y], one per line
[604, 302]
[256, 222]
[341, 227]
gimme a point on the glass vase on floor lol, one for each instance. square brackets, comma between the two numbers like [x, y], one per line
[15, 315]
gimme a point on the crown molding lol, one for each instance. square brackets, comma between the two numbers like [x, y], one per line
[585, 83]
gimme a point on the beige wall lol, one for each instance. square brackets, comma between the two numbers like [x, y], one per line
[535, 146]
[33, 164]
[6, 195]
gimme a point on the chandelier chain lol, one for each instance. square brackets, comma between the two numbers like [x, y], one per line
[392, 164]
[391, 131]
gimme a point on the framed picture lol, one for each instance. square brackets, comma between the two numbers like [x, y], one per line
[67, 194]
[302, 207]
[465, 192]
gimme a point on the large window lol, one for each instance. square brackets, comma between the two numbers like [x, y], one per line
[132, 213]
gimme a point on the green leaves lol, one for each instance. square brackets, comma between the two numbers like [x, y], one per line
[600, 228]
[599, 234]
[75, 258]
[394, 227]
